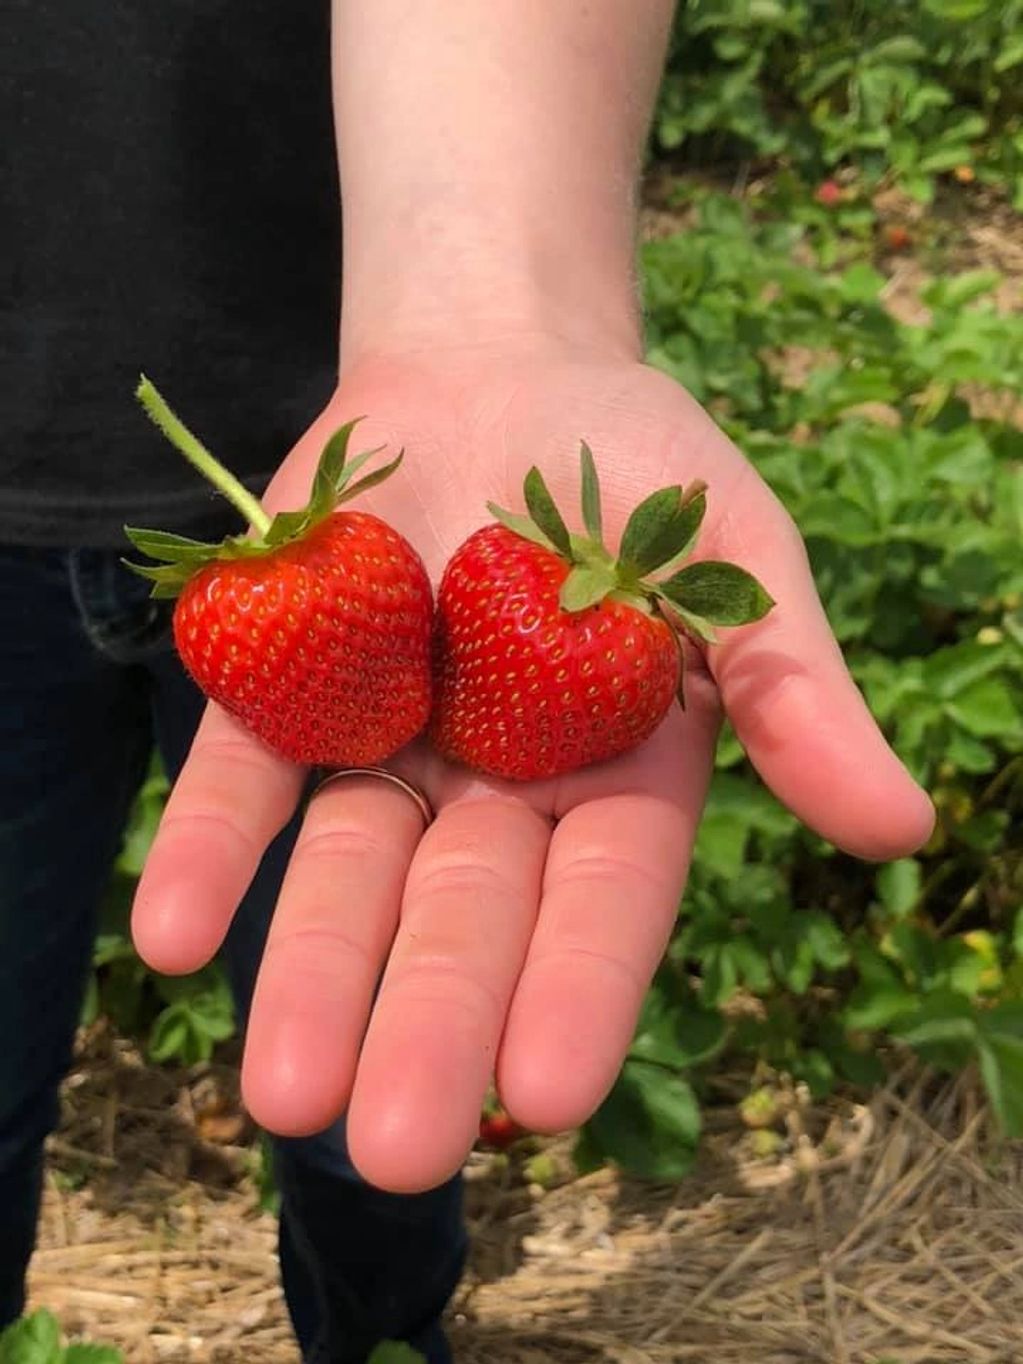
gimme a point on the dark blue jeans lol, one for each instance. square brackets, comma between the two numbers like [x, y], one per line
[88, 681]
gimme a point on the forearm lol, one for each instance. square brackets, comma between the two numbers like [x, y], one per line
[489, 154]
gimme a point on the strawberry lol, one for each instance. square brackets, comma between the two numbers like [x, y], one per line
[498, 1130]
[314, 629]
[828, 193]
[550, 654]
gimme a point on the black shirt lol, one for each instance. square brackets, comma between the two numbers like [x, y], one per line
[170, 204]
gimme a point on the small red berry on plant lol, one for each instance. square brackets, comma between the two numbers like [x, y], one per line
[498, 1130]
[829, 193]
[314, 630]
[550, 653]
[897, 237]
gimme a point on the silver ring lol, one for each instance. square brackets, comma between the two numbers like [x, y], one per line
[423, 805]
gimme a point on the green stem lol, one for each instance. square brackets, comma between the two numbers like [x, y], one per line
[200, 458]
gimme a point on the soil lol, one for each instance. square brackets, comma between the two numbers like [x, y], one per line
[848, 1233]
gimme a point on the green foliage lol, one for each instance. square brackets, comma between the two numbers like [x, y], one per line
[36, 1339]
[891, 86]
[182, 1018]
[396, 1352]
[912, 507]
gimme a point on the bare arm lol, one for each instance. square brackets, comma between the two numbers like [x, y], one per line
[489, 155]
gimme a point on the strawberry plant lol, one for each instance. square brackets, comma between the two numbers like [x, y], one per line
[910, 90]
[36, 1339]
[912, 506]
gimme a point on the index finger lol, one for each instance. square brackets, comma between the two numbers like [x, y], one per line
[232, 797]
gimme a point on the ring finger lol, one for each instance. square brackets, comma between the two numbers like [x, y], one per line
[331, 931]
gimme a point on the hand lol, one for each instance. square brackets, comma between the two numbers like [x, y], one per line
[517, 937]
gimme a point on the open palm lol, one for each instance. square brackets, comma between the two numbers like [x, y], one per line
[515, 938]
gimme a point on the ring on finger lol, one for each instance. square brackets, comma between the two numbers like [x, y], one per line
[384, 774]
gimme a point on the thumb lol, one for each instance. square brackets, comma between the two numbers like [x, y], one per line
[800, 716]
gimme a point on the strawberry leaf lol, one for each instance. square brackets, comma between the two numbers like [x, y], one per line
[695, 626]
[647, 525]
[371, 480]
[593, 518]
[662, 530]
[586, 585]
[681, 536]
[519, 525]
[544, 512]
[720, 593]
[288, 525]
[330, 470]
[161, 544]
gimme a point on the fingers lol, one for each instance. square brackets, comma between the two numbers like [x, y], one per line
[232, 797]
[331, 931]
[801, 718]
[614, 877]
[427, 1059]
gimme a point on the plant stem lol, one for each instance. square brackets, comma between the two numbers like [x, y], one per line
[200, 458]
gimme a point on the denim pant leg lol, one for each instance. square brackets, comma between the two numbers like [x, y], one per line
[358, 1264]
[74, 736]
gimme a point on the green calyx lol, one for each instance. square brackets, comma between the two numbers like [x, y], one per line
[649, 572]
[178, 557]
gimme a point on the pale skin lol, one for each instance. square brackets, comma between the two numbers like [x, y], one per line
[488, 157]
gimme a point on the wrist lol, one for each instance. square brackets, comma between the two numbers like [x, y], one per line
[446, 273]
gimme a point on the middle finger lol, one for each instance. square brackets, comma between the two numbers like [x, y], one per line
[469, 907]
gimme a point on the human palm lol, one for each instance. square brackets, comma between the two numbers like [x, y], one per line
[516, 937]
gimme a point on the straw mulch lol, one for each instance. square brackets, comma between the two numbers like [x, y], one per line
[891, 1231]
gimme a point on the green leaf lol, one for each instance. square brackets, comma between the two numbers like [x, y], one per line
[330, 469]
[662, 530]
[649, 1124]
[92, 1354]
[395, 1352]
[586, 585]
[169, 579]
[1001, 1066]
[545, 513]
[160, 544]
[987, 709]
[695, 625]
[649, 521]
[673, 1029]
[371, 480]
[721, 593]
[519, 525]
[33, 1339]
[592, 516]
[898, 885]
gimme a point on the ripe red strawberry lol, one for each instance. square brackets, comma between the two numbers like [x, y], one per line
[498, 1130]
[829, 193]
[550, 654]
[315, 632]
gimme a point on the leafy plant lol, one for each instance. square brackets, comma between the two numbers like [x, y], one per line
[36, 1339]
[888, 86]
[879, 438]
[182, 1018]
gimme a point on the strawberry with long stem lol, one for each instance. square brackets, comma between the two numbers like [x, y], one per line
[313, 626]
[551, 652]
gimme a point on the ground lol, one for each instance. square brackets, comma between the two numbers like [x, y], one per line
[886, 1231]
